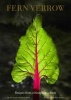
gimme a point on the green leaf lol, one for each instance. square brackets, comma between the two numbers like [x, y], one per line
[36, 52]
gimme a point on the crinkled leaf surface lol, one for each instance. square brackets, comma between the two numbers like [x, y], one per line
[37, 54]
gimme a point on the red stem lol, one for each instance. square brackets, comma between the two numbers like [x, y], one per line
[36, 95]
[36, 81]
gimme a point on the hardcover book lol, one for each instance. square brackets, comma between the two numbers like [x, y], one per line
[35, 50]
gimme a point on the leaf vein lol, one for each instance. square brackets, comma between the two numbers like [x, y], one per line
[42, 45]
[44, 57]
[46, 65]
[29, 54]
[29, 49]
[28, 62]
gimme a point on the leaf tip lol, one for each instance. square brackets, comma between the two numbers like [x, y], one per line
[38, 21]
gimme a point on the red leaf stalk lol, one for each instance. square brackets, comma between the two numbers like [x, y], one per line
[36, 81]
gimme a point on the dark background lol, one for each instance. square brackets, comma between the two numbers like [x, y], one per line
[12, 26]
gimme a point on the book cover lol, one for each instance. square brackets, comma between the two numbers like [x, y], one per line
[15, 18]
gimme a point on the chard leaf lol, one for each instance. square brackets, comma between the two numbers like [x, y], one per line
[37, 56]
